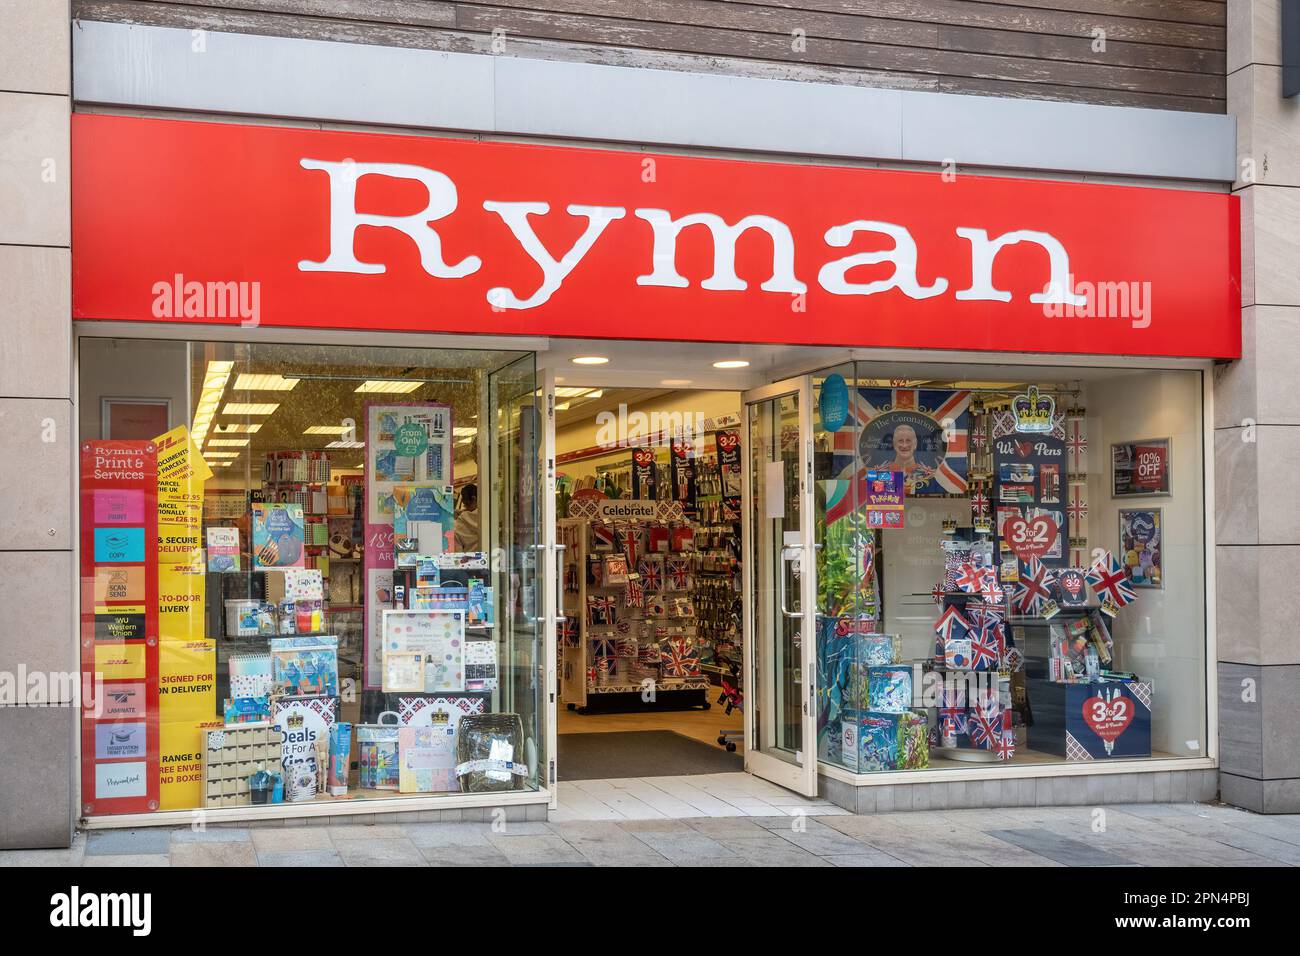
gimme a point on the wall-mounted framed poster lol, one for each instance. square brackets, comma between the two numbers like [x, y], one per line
[1141, 469]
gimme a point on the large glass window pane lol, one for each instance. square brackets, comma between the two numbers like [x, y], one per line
[1020, 608]
[339, 599]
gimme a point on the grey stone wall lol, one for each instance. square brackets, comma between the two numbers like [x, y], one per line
[1257, 438]
[36, 467]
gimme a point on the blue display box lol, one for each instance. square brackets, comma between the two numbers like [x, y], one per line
[1097, 721]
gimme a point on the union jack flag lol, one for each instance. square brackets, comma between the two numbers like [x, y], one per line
[1076, 446]
[567, 632]
[600, 609]
[1005, 744]
[1035, 586]
[679, 658]
[1108, 579]
[635, 594]
[602, 537]
[937, 592]
[988, 586]
[1077, 509]
[968, 577]
[952, 707]
[985, 722]
[625, 538]
[941, 424]
[679, 573]
[604, 647]
[985, 612]
[986, 647]
[652, 573]
[952, 625]
[979, 503]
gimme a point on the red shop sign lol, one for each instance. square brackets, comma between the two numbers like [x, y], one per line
[215, 223]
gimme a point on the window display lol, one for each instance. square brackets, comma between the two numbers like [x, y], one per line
[279, 586]
[1049, 637]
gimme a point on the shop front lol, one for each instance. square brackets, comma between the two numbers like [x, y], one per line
[329, 557]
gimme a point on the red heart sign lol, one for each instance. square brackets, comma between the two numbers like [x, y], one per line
[1030, 538]
[1108, 718]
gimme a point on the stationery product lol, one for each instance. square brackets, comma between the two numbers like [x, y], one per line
[340, 758]
[231, 757]
[426, 759]
[223, 549]
[251, 675]
[305, 723]
[423, 651]
[306, 665]
[377, 746]
[278, 536]
[241, 617]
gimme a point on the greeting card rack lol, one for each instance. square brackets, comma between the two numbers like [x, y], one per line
[627, 636]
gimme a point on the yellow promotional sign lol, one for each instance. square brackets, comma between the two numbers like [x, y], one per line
[181, 476]
[187, 680]
[182, 589]
[119, 661]
[180, 762]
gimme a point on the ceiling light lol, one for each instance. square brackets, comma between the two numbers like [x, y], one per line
[248, 382]
[731, 363]
[220, 464]
[250, 408]
[392, 386]
[328, 429]
[227, 442]
[464, 432]
[675, 382]
[346, 444]
[215, 378]
[222, 454]
[237, 428]
[589, 360]
[561, 406]
[571, 391]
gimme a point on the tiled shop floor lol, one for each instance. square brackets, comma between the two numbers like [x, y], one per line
[1130, 835]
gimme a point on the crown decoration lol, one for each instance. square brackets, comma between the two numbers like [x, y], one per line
[1033, 412]
[983, 525]
[949, 525]
[294, 721]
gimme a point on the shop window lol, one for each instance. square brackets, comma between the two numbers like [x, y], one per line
[1011, 566]
[308, 574]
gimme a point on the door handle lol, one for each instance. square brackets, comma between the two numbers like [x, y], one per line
[786, 552]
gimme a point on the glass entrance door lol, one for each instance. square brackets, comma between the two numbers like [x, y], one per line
[780, 586]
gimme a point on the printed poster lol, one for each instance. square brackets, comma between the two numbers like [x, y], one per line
[1141, 546]
[921, 432]
[278, 535]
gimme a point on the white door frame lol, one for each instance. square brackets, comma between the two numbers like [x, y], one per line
[800, 777]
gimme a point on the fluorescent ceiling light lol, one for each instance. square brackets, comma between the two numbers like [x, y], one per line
[215, 378]
[731, 363]
[392, 386]
[227, 442]
[346, 444]
[237, 428]
[589, 360]
[464, 431]
[250, 408]
[248, 382]
[327, 429]
[222, 454]
[675, 382]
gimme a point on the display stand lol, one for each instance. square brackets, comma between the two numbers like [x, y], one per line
[632, 677]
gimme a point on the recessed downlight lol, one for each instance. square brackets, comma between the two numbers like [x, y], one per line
[590, 360]
[675, 382]
[731, 363]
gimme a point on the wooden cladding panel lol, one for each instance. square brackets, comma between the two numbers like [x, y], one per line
[1166, 54]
